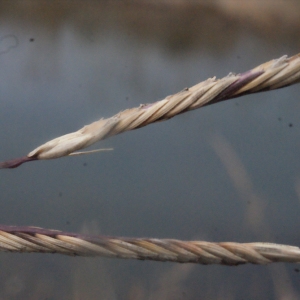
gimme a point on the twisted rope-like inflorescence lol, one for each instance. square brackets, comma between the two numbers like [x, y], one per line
[34, 239]
[274, 74]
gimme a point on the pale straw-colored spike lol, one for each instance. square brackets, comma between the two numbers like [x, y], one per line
[274, 74]
[33, 239]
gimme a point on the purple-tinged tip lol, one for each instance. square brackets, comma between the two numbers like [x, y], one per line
[14, 163]
[230, 91]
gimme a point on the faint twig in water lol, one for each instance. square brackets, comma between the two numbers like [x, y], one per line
[242, 182]
[255, 218]
[8, 42]
[274, 74]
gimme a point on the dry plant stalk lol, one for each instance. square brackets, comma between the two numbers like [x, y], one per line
[39, 240]
[274, 74]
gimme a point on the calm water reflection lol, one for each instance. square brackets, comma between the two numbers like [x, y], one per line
[228, 172]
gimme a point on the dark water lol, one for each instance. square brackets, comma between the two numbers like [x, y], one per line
[227, 172]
